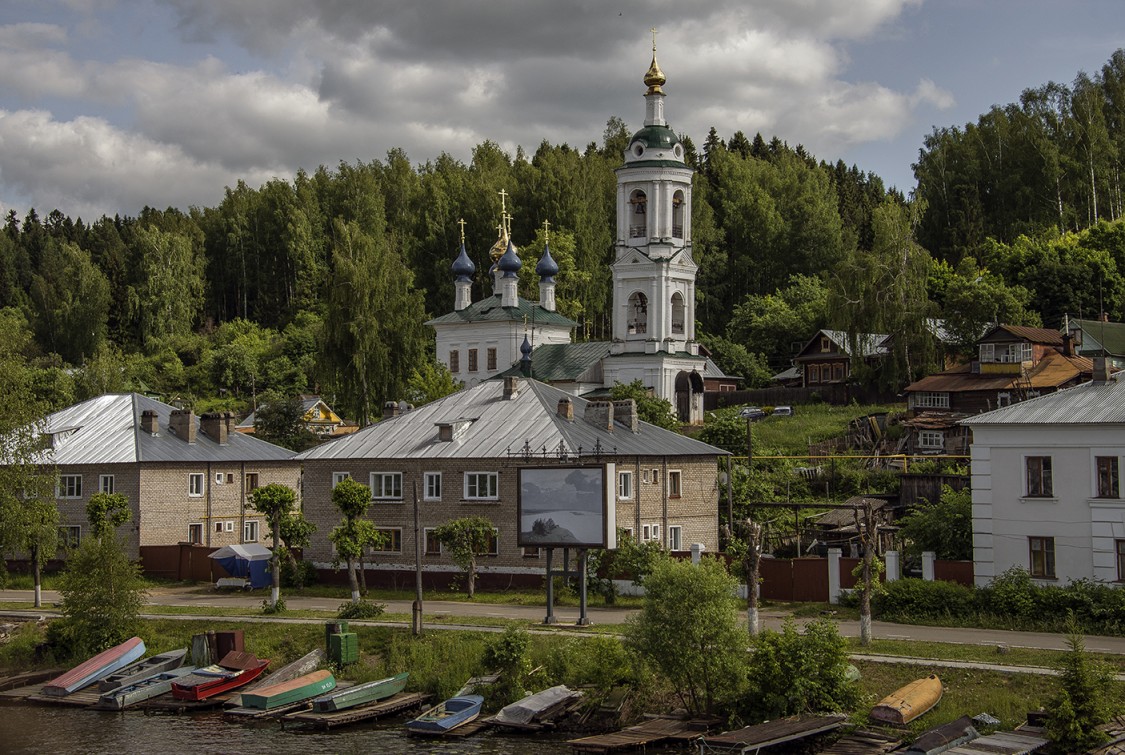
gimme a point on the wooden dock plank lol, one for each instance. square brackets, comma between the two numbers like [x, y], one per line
[29, 679]
[649, 733]
[771, 733]
[394, 704]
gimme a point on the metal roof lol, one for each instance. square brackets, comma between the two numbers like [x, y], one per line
[1047, 336]
[1099, 335]
[563, 362]
[1053, 370]
[1089, 403]
[107, 430]
[501, 426]
[488, 309]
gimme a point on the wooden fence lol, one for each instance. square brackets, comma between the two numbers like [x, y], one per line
[181, 562]
[916, 489]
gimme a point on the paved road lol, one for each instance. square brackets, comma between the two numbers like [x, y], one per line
[202, 599]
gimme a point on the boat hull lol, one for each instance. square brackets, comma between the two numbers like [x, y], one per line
[142, 669]
[101, 665]
[361, 694]
[154, 685]
[205, 683]
[290, 692]
[454, 712]
[908, 703]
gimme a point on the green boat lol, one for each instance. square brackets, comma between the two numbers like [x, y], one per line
[293, 691]
[361, 694]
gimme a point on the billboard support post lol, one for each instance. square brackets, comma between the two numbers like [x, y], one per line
[550, 619]
[583, 619]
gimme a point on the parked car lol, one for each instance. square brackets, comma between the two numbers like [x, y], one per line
[752, 413]
[783, 411]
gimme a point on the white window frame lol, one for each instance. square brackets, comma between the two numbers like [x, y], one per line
[196, 484]
[1003, 398]
[103, 487]
[68, 486]
[431, 486]
[677, 490]
[931, 440]
[472, 486]
[389, 546]
[644, 476]
[426, 533]
[1096, 456]
[625, 486]
[531, 551]
[219, 478]
[228, 526]
[646, 533]
[656, 532]
[655, 476]
[338, 477]
[930, 400]
[381, 492]
[987, 352]
[202, 532]
[675, 537]
[1050, 477]
[251, 526]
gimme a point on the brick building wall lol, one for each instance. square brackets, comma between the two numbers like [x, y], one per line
[695, 511]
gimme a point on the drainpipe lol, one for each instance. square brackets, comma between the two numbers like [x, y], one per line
[637, 499]
[242, 502]
[664, 513]
[208, 482]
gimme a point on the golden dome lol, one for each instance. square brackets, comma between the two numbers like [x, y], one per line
[501, 246]
[654, 77]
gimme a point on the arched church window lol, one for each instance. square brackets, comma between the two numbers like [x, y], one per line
[678, 215]
[678, 313]
[638, 224]
[638, 314]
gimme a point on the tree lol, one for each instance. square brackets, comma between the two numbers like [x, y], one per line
[868, 568]
[429, 381]
[296, 532]
[279, 419]
[466, 539]
[70, 300]
[106, 512]
[275, 502]
[169, 294]
[38, 536]
[655, 411]
[688, 630]
[1080, 706]
[354, 533]
[748, 552]
[945, 527]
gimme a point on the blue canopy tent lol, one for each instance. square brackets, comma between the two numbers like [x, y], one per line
[250, 562]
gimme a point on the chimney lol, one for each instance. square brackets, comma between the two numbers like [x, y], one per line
[230, 421]
[625, 412]
[1101, 370]
[511, 387]
[214, 426]
[1068, 345]
[566, 409]
[150, 423]
[1104, 317]
[182, 423]
[390, 409]
[600, 414]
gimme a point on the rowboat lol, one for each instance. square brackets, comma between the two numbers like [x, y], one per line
[526, 713]
[361, 694]
[454, 712]
[233, 671]
[101, 665]
[143, 668]
[906, 704]
[289, 692]
[139, 690]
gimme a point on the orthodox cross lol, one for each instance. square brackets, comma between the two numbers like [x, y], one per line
[461, 223]
[654, 33]
[546, 231]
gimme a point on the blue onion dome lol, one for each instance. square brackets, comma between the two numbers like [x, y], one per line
[525, 349]
[510, 263]
[463, 267]
[547, 268]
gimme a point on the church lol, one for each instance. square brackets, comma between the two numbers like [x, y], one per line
[653, 324]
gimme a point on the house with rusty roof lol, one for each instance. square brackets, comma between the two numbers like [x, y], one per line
[187, 477]
[1014, 363]
[462, 455]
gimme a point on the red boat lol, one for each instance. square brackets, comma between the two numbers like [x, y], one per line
[235, 670]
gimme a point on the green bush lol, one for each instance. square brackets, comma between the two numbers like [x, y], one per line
[601, 662]
[294, 578]
[917, 598]
[1011, 594]
[362, 609]
[509, 656]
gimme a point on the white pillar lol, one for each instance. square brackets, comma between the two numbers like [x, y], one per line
[696, 552]
[928, 565]
[894, 565]
[833, 575]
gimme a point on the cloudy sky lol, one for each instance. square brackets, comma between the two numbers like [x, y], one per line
[109, 105]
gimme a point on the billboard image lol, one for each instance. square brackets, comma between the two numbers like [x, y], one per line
[562, 507]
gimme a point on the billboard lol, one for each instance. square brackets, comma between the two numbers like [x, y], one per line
[567, 507]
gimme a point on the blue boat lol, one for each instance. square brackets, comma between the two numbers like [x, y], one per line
[454, 712]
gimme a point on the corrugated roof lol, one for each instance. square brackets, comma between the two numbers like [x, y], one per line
[1035, 335]
[107, 430]
[488, 309]
[501, 426]
[1089, 403]
[1053, 370]
[1110, 336]
[563, 362]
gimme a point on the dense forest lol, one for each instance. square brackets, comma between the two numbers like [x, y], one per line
[323, 282]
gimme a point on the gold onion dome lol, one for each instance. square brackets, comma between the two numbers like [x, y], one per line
[654, 77]
[501, 246]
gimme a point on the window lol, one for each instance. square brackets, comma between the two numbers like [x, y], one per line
[250, 531]
[644, 476]
[454, 361]
[493, 547]
[838, 371]
[432, 544]
[105, 484]
[1006, 353]
[432, 488]
[338, 477]
[637, 314]
[646, 533]
[228, 526]
[532, 552]
[825, 344]
[251, 481]
[70, 486]
[195, 533]
[1109, 485]
[220, 478]
[1003, 398]
[218, 526]
[656, 532]
[1042, 557]
[655, 476]
[386, 485]
[814, 373]
[70, 535]
[491, 358]
[392, 540]
[481, 485]
[195, 484]
[1119, 546]
[929, 400]
[674, 488]
[931, 440]
[675, 538]
[1039, 477]
[678, 313]
[472, 360]
[625, 485]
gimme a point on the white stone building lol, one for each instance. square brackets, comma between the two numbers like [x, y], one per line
[1047, 493]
